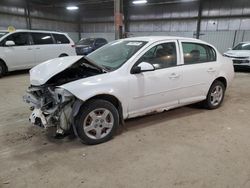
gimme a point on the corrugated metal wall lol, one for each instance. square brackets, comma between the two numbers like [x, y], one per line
[222, 20]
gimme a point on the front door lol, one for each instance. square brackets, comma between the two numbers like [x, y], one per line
[158, 89]
[21, 55]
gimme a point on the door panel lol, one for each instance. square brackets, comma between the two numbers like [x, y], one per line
[158, 89]
[21, 55]
[150, 91]
[44, 47]
[199, 71]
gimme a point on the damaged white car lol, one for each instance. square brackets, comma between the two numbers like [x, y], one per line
[131, 77]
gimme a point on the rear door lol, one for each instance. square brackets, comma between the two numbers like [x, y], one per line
[21, 55]
[199, 70]
[44, 47]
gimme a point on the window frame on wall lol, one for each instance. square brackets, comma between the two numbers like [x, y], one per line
[211, 52]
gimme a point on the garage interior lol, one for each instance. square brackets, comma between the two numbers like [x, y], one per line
[184, 147]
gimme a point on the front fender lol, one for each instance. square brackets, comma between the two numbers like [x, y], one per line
[87, 88]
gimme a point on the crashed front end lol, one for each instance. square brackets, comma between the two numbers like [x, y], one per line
[52, 106]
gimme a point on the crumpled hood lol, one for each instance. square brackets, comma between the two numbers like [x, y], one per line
[41, 73]
[238, 53]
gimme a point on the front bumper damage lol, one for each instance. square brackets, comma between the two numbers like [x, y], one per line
[50, 107]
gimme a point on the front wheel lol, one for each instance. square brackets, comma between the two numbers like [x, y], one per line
[215, 95]
[97, 122]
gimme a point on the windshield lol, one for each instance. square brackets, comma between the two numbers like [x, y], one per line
[242, 46]
[3, 33]
[115, 54]
[86, 42]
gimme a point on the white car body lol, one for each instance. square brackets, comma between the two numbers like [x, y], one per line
[17, 57]
[241, 58]
[147, 92]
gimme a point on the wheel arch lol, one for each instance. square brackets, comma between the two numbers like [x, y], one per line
[223, 80]
[63, 55]
[1, 60]
[108, 97]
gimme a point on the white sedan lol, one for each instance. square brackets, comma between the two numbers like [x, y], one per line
[126, 78]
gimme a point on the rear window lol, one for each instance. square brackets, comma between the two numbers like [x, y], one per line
[197, 53]
[88, 41]
[61, 39]
[42, 38]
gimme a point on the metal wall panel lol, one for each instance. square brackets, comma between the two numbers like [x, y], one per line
[53, 25]
[108, 36]
[16, 21]
[222, 40]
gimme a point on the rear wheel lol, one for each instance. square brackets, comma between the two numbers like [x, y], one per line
[215, 95]
[97, 122]
[3, 69]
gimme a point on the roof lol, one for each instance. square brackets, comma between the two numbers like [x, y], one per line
[159, 38]
[27, 30]
[153, 39]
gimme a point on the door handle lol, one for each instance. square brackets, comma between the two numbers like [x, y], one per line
[29, 48]
[174, 76]
[37, 48]
[211, 70]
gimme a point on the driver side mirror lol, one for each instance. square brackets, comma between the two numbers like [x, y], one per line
[142, 67]
[9, 43]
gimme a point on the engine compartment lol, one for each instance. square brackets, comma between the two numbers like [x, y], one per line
[77, 71]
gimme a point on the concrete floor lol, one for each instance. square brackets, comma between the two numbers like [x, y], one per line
[185, 147]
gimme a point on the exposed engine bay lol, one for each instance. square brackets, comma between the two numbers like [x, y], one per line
[52, 105]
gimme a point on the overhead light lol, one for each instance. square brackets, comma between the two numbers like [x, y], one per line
[136, 2]
[72, 8]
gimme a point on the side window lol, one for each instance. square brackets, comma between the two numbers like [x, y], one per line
[197, 53]
[42, 38]
[20, 39]
[61, 39]
[161, 56]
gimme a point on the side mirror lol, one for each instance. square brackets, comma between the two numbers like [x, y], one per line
[142, 67]
[9, 43]
[229, 49]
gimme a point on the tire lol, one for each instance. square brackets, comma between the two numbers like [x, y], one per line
[3, 69]
[215, 95]
[96, 122]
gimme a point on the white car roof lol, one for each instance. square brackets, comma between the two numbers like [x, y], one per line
[38, 31]
[152, 39]
[159, 38]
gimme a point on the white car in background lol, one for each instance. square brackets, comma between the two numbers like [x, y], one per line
[125, 79]
[240, 55]
[24, 49]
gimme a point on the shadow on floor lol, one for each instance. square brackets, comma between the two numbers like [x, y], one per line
[19, 72]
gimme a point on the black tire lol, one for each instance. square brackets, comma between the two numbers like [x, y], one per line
[84, 112]
[3, 69]
[208, 102]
